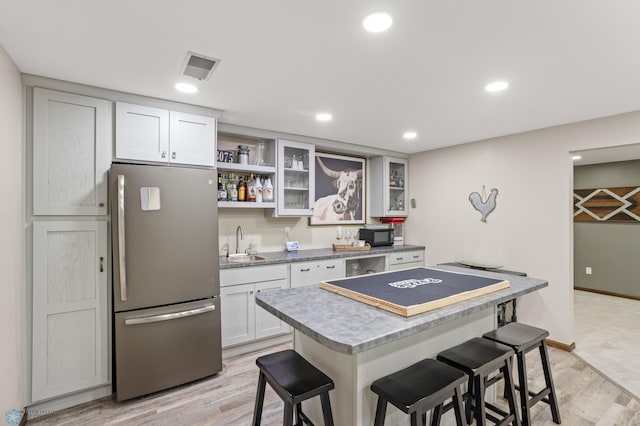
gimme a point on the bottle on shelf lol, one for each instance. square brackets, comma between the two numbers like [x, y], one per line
[251, 189]
[242, 190]
[259, 190]
[222, 191]
[232, 189]
[267, 191]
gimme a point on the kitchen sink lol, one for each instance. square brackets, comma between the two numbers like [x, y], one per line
[242, 257]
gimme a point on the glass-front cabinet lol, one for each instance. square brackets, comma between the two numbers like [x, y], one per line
[295, 189]
[389, 187]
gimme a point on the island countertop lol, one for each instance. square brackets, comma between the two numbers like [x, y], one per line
[348, 326]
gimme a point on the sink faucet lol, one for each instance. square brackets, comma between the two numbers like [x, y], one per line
[239, 229]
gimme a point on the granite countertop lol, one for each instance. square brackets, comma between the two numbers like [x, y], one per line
[348, 326]
[272, 258]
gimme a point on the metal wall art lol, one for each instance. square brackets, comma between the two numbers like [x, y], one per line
[484, 204]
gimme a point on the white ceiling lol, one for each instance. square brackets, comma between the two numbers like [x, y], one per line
[284, 61]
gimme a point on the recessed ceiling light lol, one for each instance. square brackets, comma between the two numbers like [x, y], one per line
[186, 88]
[377, 22]
[410, 135]
[576, 157]
[496, 86]
[323, 116]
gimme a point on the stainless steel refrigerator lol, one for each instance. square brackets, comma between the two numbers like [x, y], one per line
[166, 291]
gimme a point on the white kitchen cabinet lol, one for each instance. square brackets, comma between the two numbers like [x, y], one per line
[406, 259]
[146, 133]
[238, 314]
[266, 324]
[242, 320]
[70, 307]
[389, 187]
[295, 189]
[192, 139]
[71, 153]
[312, 272]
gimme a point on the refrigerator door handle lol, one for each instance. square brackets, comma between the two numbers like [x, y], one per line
[121, 242]
[172, 316]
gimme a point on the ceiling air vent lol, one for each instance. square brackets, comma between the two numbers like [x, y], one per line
[199, 66]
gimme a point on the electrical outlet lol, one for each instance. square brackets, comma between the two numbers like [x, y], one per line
[588, 270]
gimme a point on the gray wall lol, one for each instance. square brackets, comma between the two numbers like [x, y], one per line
[612, 250]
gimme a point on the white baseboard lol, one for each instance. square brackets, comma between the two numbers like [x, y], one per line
[255, 346]
[54, 405]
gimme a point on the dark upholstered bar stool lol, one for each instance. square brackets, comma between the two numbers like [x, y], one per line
[295, 380]
[419, 388]
[523, 338]
[479, 358]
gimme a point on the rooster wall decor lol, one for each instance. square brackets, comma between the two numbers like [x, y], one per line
[484, 204]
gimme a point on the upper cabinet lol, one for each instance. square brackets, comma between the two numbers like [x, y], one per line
[71, 153]
[296, 179]
[158, 135]
[389, 187]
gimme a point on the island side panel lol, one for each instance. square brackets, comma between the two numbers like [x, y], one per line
[352, 401]
[342, 370]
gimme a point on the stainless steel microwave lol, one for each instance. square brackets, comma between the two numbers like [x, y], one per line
[377, 237]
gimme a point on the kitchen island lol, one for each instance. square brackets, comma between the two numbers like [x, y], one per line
[355, 343]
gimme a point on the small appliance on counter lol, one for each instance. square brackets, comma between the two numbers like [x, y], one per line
[397, 224]
[377, 235]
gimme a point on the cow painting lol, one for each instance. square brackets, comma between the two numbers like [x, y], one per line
[339, 190]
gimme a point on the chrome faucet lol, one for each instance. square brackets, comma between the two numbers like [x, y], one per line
[239, 229]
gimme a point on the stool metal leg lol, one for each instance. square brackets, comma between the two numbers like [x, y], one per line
[546, 368]
[436, 414]
[511, 397]
[478, 409]
[299, 419]
[381, 412]
[257, 411]
[525, 402]
[288, 415]
[468, 399]
[326, 409]
[457, 406]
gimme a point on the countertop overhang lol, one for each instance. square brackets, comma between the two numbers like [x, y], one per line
[272, 258]
[347, 326]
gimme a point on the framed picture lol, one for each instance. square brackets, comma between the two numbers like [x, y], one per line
[339, 190]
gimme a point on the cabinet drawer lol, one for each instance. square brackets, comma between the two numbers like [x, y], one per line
[308, 273]
[252, 274]
[406, 257]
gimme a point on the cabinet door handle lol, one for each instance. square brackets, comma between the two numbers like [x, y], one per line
[416, 256]
[163, 154]
[251, 292]
[101, 264]
[100, 204]
[331, 267]
[173, 155]
[305, 270]
[399, 258]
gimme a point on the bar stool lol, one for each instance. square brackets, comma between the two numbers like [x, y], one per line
[295, 380]
[419, 388]
[523, 338]
[478, 358]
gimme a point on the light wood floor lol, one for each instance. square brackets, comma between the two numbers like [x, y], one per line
[586, 398]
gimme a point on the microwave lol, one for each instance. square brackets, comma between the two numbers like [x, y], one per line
[377, 237]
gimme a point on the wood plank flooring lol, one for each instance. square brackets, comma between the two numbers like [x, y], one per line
[586, 398]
